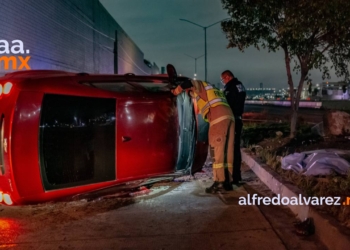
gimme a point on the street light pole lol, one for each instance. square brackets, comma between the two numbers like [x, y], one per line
[195, 64]
[205, 40]
[205, 52]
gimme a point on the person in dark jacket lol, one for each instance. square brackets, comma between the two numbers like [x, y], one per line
[235, 94]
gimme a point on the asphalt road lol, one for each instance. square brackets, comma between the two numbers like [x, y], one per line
[174, 215]
[283, 113]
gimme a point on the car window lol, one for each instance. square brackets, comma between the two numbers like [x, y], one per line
[130, 86]
[154, 87]
[112, 86]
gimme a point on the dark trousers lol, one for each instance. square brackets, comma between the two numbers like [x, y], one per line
[237, 160]
[237, 157]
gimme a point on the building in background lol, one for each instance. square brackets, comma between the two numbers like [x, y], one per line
[261, 93]
[310, 92]
[70, 35]
[333, 90]
[326, 91]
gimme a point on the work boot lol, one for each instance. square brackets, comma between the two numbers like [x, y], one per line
[228, 186]
[237, 183]
[217, 186]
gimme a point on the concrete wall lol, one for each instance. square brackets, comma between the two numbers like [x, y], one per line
[72, 35]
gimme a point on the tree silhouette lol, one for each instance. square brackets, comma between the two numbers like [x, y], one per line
[311, 33]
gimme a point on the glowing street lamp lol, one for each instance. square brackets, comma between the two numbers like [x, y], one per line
[195, 64]
[205, 39]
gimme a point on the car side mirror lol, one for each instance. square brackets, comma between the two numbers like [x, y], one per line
[172, 74]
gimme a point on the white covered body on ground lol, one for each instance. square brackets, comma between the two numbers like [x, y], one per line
[318, 162]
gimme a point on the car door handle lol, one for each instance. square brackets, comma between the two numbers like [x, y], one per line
[126, 138]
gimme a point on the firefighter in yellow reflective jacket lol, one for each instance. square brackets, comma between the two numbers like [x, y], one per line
[214, 108]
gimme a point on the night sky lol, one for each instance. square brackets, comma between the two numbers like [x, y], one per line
[155, 27]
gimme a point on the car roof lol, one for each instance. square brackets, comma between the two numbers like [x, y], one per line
[54, 74]
[36, 74]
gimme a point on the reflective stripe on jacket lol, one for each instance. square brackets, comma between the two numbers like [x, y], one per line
[215, 98]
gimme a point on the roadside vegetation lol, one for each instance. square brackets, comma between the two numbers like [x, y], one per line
[310, 34]
[270, 142]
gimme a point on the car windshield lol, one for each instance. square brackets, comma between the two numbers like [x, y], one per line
[130, 86]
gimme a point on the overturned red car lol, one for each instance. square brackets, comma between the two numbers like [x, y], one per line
[64, 134]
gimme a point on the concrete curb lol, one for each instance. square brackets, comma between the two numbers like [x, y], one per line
[330, 232]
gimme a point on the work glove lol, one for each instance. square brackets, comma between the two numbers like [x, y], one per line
[174, 81]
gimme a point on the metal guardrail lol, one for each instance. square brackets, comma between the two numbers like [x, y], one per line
[302, 104]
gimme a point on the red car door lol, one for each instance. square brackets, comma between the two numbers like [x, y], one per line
[146, 135]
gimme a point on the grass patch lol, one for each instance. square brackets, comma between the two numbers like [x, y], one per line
[263, 140]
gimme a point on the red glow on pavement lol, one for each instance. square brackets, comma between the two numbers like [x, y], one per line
[9, 230]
